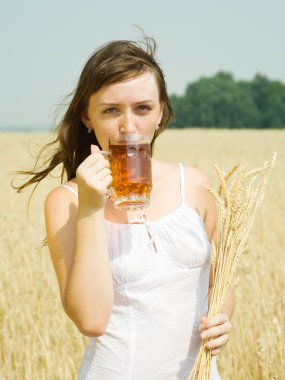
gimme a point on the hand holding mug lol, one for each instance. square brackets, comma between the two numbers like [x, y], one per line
[93, 179]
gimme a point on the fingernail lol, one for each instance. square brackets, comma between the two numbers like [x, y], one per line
[94, 148]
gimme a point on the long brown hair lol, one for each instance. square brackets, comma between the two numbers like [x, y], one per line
[113, 62]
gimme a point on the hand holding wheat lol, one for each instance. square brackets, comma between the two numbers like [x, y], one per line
[239, 195]
[218, 328]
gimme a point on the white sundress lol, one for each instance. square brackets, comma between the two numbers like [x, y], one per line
[160, 275]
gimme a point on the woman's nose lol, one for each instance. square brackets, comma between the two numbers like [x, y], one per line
[127, 123]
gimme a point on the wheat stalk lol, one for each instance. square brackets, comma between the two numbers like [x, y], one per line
[237, 202]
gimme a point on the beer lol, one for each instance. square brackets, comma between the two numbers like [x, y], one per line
[130, 164]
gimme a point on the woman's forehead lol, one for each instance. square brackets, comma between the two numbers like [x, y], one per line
[138, 89]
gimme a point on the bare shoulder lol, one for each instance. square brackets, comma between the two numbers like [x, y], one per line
[160, 169]
[196, 176]
[60, 208]
[192, 172]
[197, 183]
[61, 196]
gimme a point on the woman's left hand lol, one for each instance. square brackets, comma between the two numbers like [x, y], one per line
[217, 328]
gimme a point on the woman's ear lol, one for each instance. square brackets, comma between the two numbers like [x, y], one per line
[85, 120]
[161, 113]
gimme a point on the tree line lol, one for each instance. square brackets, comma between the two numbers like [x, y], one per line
[222, 102]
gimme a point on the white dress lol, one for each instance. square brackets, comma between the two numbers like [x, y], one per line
[160, 274]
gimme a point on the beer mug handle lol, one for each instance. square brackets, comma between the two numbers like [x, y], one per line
[111, 194]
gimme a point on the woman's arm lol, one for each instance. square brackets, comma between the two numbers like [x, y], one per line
[78, 247]
[228, 305]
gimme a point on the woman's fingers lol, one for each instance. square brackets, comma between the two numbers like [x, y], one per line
[92, 165]
[213, 321]
[96, 180]
[102, 174]
[92, 160]
[107, 181]
[215, 351]
[97, 168]
[94, 149]
[216, 331]
[218, 321]
[218, 342]
[93, 179]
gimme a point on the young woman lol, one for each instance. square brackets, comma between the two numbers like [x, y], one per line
[135, 282]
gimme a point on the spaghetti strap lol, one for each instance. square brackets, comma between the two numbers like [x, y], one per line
[71, 189]
[182, 183]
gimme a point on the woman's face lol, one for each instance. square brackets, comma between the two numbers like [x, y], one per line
[129, 106]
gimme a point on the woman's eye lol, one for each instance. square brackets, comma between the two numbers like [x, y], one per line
[144, 107]
[111, 110]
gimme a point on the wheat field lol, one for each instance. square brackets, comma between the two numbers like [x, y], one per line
[38, 341]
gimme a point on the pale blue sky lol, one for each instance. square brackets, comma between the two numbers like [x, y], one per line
[44, 44]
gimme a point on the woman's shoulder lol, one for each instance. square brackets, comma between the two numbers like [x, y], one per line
[197, 176]
[192, 169]
[62, 195]
[194, 176]
[197, 182]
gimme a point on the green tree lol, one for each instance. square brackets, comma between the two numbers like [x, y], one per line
[269, 97]
[220, 101]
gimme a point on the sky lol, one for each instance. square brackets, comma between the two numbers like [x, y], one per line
[44, 45]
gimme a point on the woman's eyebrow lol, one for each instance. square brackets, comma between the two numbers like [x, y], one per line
[145, 101]
[108, 104]
[117, 104]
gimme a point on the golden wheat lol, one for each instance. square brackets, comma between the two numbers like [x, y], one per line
[237, 204]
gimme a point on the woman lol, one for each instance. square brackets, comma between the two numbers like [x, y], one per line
[135, 283]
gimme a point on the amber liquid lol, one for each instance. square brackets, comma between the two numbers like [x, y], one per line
[130, 165]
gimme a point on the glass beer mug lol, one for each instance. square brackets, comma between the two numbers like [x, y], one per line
[130, 164]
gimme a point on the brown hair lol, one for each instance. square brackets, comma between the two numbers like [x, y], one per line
[113, 62]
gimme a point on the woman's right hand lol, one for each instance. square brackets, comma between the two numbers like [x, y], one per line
[93, 179]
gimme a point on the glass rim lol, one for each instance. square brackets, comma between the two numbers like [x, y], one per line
[131, 137]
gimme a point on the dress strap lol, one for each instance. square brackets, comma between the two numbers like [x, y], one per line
[71, 189]
[182, 183]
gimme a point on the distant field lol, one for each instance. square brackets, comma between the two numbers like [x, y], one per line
[38, 341]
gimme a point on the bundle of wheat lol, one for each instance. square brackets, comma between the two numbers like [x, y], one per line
[239, 196]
